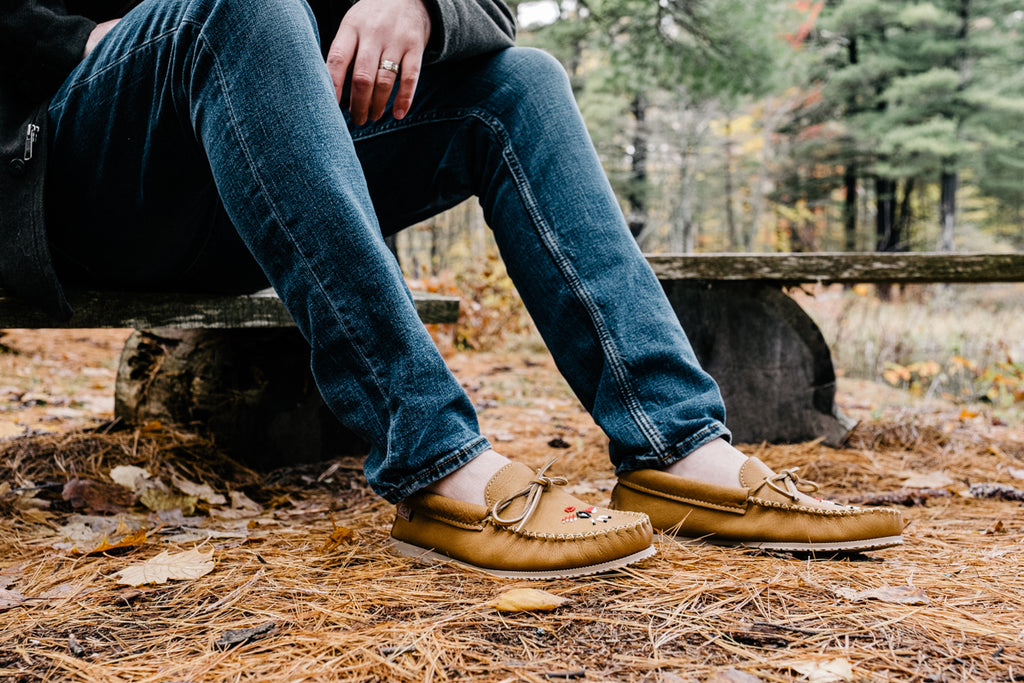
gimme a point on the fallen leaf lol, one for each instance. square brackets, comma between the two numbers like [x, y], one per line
[240, 636]
[824, 671]
[527, 599]
[732, 676]
[132, 540]
[997, 528]
[190, 564]
[64, 591]
[156, 500]
[240, 501]
[1015, 473]
[9, 599]
[931, 480]
[9, 430]
[98, 496]
[75, 647]
[129, 476]
[200, 491]
[338, 536]
[900, 595]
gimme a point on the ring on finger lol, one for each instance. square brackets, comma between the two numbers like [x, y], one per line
[388, 65]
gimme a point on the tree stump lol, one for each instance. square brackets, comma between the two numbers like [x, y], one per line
[769, 358]
[249, 390]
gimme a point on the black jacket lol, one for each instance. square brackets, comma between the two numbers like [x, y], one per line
[41, 42]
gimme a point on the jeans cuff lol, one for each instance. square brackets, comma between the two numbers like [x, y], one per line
[652, 461]
[441, 469]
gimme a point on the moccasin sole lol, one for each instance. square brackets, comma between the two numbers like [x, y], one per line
[790, 546]
[425, 554]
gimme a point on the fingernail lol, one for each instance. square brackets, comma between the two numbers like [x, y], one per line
[398, 113]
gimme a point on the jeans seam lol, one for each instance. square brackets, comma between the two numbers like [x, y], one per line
[100, 72]
[300, 256]
[627, 391]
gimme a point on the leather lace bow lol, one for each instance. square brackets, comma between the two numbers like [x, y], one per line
[789, 483]
[532, 492]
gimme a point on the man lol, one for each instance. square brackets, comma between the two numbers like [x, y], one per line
[210, 144]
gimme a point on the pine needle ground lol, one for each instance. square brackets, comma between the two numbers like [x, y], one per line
[946, 606]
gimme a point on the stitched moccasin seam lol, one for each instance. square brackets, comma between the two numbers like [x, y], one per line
[462, 524]
[814, 511]
[540, 535]
[738, 509]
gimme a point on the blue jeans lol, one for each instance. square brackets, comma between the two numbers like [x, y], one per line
[203, 133]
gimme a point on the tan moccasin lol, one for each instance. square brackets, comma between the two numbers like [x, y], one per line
[770, 511]
[530, 528]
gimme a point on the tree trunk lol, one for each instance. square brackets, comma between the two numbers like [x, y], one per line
[730, 219]
[850, 208]
[947, 209]
[637, 193]
[885, 219]
[250, 391]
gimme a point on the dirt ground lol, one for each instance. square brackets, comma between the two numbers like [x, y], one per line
[299, 557]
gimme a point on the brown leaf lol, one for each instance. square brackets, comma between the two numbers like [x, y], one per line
[131, 540]
[732, 676]
[527, 599]
[98, 496]
[338, 536]
[900, 595]
[9, 599]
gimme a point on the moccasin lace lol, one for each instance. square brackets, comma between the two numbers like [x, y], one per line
[532, 492]
[789, 483]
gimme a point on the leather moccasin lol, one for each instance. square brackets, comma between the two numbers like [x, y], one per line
[771, 511]
[530, 528]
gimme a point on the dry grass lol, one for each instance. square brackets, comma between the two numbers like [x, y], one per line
[360, 613]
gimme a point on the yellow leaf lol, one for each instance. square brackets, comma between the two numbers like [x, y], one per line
[132, 540]
[968, 414]
[891, 376]
[190, 564]
[338, 536]
[157, 500]
[527, 599]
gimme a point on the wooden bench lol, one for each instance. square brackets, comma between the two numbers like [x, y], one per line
[768, 356]
[230, 367]
[235, 367]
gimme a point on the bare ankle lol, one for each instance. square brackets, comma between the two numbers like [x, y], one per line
[468, 482]
[716, 462]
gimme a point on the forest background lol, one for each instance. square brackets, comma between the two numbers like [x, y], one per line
[795, 126]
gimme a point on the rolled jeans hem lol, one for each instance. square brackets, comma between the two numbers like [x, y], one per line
[441, 469]
[677, 453]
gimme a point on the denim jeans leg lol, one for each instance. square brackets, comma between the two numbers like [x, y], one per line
[178, 88]
[506, 128]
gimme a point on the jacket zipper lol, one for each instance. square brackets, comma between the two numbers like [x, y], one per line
[30, 140]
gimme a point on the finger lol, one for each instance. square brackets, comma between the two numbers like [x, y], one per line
[382, 91]
[364, 80]
[408, 78]
[339, 58]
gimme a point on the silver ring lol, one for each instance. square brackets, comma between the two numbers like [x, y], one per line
[388, 65]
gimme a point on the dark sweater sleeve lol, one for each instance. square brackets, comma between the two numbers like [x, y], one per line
[40, 43]
[463, 28]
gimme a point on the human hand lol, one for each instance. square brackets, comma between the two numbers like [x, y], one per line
[98, 32]
[371, 32]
